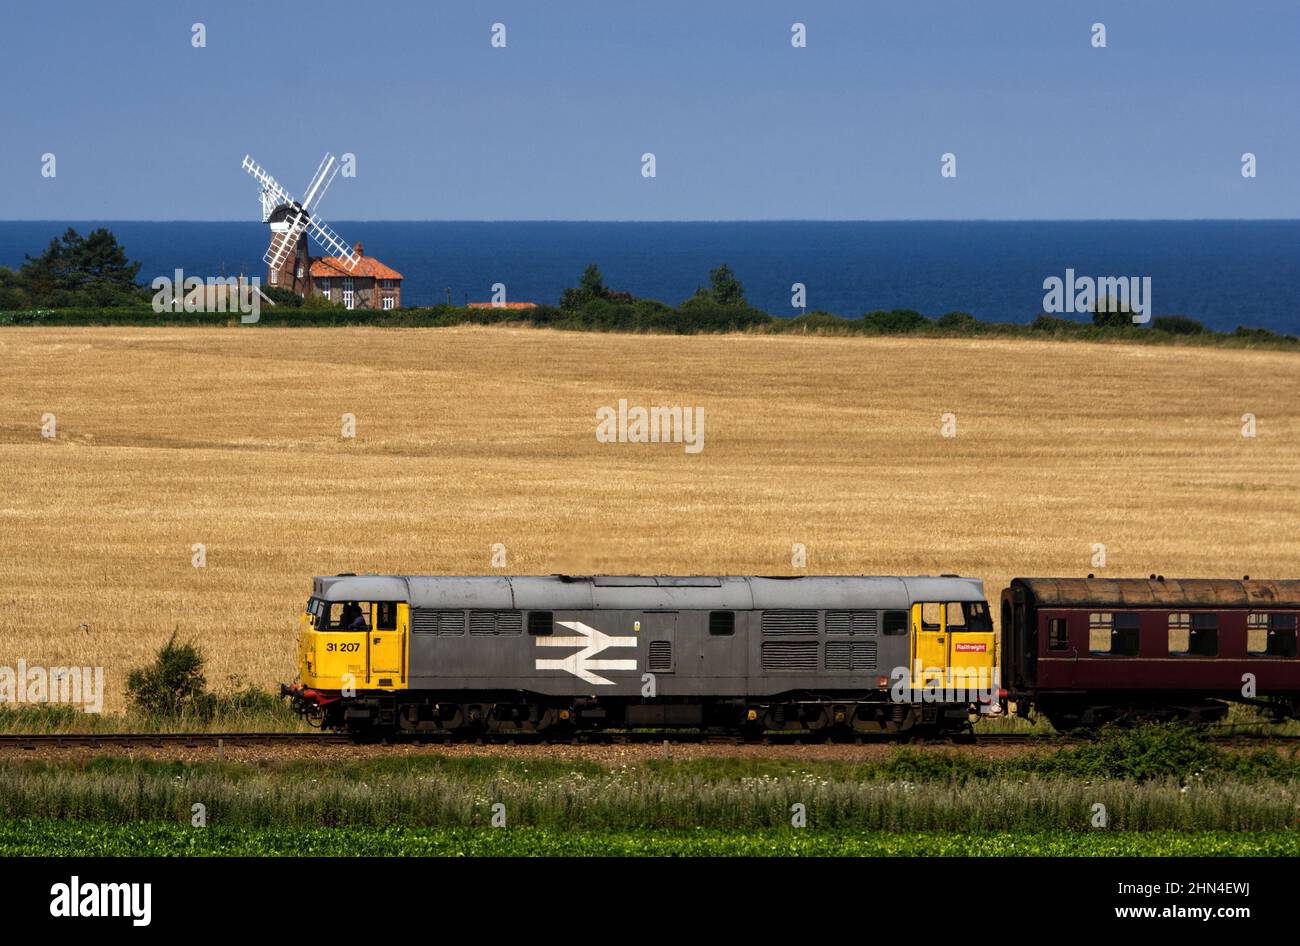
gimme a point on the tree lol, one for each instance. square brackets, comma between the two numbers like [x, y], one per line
[1109, 313]
[724, 288]
[590, 288]
[95, 266]
[593, 281]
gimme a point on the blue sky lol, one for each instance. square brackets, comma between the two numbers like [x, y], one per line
[743, 126]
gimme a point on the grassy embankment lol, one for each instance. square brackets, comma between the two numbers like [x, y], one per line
[1163, 791]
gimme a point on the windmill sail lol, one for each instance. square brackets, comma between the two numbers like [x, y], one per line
[331, 241]
[298, 217]
[284, 241]
[273, 195]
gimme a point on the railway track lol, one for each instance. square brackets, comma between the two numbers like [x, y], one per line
[235, 739]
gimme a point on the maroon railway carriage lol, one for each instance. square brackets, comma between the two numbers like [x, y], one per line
[1084, 651]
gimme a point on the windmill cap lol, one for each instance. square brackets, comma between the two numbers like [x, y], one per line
[359, 249]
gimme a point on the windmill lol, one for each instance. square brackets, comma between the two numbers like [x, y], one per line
[290, 218]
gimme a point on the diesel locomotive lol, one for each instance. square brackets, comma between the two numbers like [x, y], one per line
[557, 654]
[547, 654]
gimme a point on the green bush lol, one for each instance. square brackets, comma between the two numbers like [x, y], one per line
[1055, 325]
[957, 320]
[1177, 325]
[1261, 334]
[894, 322]
[1109, 313]
[283, 297]
[173, 685]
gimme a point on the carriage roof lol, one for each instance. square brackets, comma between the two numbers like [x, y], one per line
[1160, 592]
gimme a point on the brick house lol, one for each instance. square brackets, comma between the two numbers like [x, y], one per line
[371, 285]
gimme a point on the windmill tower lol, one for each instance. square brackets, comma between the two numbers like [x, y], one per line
[286, 256]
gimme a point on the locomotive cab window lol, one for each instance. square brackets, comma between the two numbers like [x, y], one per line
[344, 616]
[1058, 634]
[931, 615]
[541, 623]
[1271, 635]
[895, 623]
[969, 616]
[722, 623]
[1113, 634]
[386, 616]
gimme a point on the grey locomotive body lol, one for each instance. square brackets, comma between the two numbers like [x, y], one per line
[532, 653]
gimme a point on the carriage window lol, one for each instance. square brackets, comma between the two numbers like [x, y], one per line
[1058, 634]
[1180, 633]
[1271, 635]
[1100, 625]
[895, 623]
[1115, 634]
[540, 623]
[931, 615]
[1204, 639]
[722, 623]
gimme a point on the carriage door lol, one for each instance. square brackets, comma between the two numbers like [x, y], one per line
[387, 645]
[929, 643]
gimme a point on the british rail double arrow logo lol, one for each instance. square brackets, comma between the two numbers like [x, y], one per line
[591, 642]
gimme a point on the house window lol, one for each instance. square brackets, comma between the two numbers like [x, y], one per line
[300, 272]
[1113, 634]
[389, 283]
[347, 283]
[722, 623]
[275, 276]
[1058, 634]
[347, 298]
[324, 286]
[388, 302]
[1271, 635]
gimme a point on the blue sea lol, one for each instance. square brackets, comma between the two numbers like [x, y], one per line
[1223, 273]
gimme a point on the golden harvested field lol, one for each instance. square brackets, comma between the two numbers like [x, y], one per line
[469, 437]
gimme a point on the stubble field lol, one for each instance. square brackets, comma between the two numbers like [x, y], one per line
[232, 438]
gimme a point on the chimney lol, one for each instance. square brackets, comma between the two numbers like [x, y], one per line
[358, 249]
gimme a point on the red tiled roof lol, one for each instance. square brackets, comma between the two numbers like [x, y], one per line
[503, 305]
[333, 266]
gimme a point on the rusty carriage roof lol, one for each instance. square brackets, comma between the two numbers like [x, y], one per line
[1161, 592]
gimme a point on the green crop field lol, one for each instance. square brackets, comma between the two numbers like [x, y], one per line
[61, 838]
